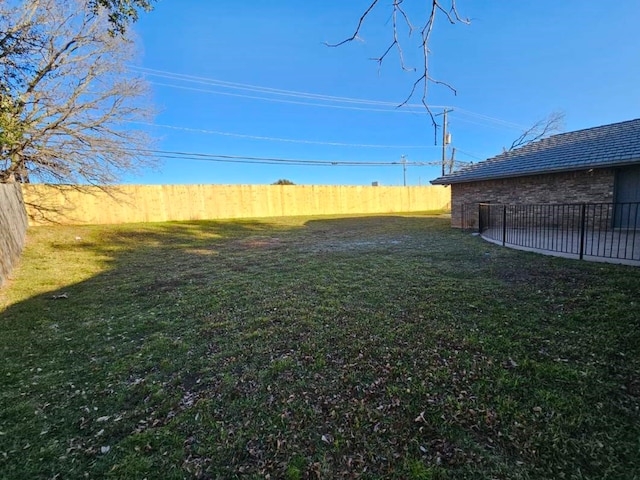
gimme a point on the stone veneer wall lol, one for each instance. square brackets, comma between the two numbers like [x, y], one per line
[586, 186]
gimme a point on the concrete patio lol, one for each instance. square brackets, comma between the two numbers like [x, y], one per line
[612, 246]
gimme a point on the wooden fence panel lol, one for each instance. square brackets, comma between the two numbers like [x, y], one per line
[159, 203]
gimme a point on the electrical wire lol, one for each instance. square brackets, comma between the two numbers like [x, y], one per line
[269, 90]
[312, 100]
[393, 106]
[487, 118]
[278, 139]
[469, 154]
[178, 155]
[293, 102]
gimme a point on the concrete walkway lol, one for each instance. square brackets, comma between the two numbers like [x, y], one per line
[618, 246]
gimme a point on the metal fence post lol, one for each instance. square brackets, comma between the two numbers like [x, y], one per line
[604, 230]
[504, 225]
[583, 219]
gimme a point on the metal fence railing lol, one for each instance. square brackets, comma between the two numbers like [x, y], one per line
[607, 230]
[469, 216]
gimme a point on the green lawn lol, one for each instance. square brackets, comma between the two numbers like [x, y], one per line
[319, 348]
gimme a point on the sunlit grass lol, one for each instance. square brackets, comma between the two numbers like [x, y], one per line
[369, 347]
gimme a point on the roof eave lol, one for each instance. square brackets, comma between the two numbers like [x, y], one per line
[450, 181]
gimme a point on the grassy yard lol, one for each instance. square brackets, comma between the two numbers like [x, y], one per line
[319, 348]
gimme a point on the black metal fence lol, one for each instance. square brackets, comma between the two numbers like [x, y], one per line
[607, 230]
[469, 216]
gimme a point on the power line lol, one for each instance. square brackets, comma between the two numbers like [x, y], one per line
[268, 90]
[472, 155]
[393, 107]
[278, 139]
[487, 118]
[305, 96]
[293, 102]
[178, 155]
[308, 95]
[311, 100]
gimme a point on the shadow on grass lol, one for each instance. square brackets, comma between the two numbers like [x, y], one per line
[316, 349]
[112, 345]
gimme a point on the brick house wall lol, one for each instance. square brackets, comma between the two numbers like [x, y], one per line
[585, 186]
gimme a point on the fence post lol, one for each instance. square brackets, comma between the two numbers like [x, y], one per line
[504, 225]
[480, 219]
[583, 219]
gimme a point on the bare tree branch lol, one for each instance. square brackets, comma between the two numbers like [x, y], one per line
[544, 127]
[424, 79]
[396, 43]
[357, 31]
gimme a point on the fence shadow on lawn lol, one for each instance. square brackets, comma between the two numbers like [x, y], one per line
[316, 348]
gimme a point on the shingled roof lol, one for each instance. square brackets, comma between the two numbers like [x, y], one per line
[612, 145]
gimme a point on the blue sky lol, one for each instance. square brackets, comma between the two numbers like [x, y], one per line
[228, 79]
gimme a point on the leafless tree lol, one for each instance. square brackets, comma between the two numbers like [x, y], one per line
[66, 98]
[544, 127]
[400, 17]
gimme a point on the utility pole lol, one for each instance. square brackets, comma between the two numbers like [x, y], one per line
[446, 138]
[403, 160]
[453, 159]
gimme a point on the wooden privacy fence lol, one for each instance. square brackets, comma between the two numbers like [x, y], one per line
[158, 203]
[13, 227]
